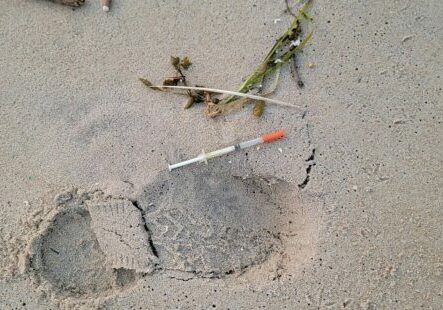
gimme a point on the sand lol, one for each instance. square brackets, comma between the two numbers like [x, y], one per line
[344, 212]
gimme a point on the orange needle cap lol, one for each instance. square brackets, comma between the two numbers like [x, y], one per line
[273, 135]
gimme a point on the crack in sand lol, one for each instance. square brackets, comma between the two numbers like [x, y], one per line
[311, 161]
[146, 227]
[118, 235]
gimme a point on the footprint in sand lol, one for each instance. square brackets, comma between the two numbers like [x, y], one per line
[212, 223]
[66, 259]
[205, 222]
[122, 234]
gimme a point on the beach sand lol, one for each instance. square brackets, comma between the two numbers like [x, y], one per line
[344, 212]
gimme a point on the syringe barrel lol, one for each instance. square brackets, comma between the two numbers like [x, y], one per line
[220, 152]
[186, 162]
[250, 143]
[204, 157]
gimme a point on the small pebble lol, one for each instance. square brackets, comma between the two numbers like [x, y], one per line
[105, 5]
[277, 20]
[280, 150]
[311, 65]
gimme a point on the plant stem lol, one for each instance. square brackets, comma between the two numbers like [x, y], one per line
[268, 64]
[228, 92]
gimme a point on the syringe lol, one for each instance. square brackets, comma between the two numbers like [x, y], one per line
[203, 157]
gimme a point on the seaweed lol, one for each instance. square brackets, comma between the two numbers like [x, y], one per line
[259, 108]
[273, 60]
[284, 50]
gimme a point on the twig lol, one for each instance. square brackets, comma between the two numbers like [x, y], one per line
[232, 93]
[295, 73]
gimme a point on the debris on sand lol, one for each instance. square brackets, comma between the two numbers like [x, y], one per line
[203, 157]
[251, 90]
[73, 3]
[106, 4]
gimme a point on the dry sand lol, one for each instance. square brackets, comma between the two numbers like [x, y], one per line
[92, 219]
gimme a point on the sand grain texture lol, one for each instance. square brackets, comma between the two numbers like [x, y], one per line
[362, 229]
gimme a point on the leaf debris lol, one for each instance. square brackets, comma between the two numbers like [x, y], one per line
[284, 50]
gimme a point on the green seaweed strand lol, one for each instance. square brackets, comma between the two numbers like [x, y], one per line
[268, 64]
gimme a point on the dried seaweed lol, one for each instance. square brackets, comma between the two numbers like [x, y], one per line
[189, 103]
[259, 108]
[149, 84]
[284, 50]
[185, 63]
